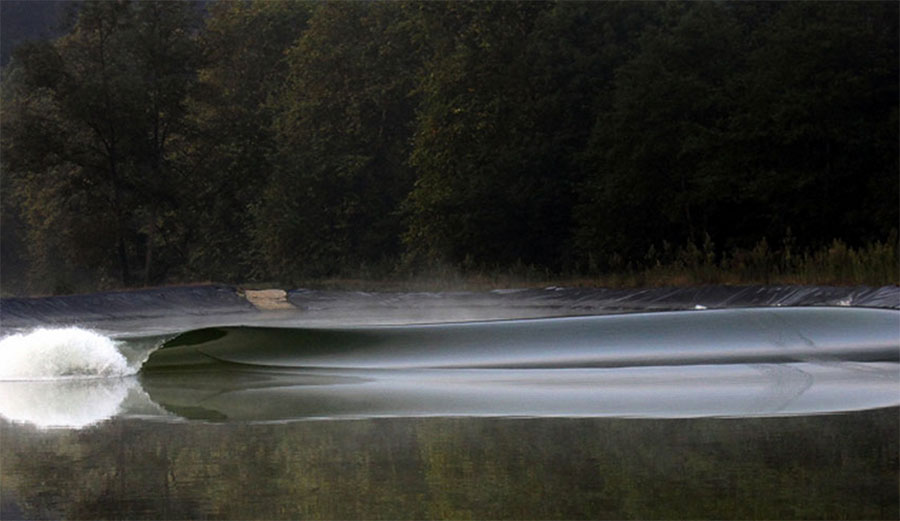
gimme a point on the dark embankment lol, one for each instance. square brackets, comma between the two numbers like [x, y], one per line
[402, 307]
[603, 300]
[156, 302]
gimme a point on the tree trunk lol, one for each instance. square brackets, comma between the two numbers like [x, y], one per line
[123, 260]
[148, 257]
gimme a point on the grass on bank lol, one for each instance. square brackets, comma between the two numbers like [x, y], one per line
[876, 264]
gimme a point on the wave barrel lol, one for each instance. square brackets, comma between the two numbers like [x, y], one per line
[646, 339]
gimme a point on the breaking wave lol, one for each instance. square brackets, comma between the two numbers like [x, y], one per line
[762, 335]
[70, 353]
[735, 362]
[645, 339]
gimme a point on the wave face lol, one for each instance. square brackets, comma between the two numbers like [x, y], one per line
[735, 362]
[649, 339]
[764, 335]
[66, 353]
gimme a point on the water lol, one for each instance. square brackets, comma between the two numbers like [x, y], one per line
[839, 466]
[729, 413]
[47, 354]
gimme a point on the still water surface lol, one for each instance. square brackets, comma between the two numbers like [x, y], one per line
[839, 466]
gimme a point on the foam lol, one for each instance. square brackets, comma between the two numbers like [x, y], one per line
[63, 353]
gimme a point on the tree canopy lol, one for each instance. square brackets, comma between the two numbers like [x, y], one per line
[275, 140]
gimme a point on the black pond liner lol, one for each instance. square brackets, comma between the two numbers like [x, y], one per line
[156, 302]
[212, 300]
[599, 300]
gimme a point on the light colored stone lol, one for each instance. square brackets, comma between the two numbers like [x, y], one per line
[268, 299]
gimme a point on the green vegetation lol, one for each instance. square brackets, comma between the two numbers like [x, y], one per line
[610, 142]
[838, 264]
[874, 264]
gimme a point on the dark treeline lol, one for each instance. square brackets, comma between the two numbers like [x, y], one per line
[281, 140]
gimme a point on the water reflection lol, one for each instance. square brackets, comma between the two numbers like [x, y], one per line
[651, 392]
[74, 403]
[830, 466]
[254, 395]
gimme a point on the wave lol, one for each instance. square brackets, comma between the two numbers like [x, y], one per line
[764, 335]
[70, 352]
[647, 339]
[737, 362]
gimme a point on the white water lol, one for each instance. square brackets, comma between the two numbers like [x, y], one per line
[65, 353]
[73, 404]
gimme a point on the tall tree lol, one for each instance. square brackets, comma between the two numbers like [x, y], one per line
[655, 155]
[166, 56]
[232, 145]
[108, 97]
[478, 194]
[818, 128]
[509, 96]
[745, 121]
[344, 121]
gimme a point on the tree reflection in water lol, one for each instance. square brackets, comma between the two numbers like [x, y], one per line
[830, 466]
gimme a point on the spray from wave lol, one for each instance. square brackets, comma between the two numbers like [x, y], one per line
[72, 352]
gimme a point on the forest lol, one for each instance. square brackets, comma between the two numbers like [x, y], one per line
[159, 142]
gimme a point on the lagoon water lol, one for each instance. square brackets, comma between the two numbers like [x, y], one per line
[504, 405]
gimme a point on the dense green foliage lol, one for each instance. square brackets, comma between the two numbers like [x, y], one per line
[344, 119]
[170, 141]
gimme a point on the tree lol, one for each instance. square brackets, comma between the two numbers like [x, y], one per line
[480, 193]
[818, 125]
[738, 122]
[166, 55]
[656, 157]
[509, 96]
[91, 119]
[231, 148]
[342, 129]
